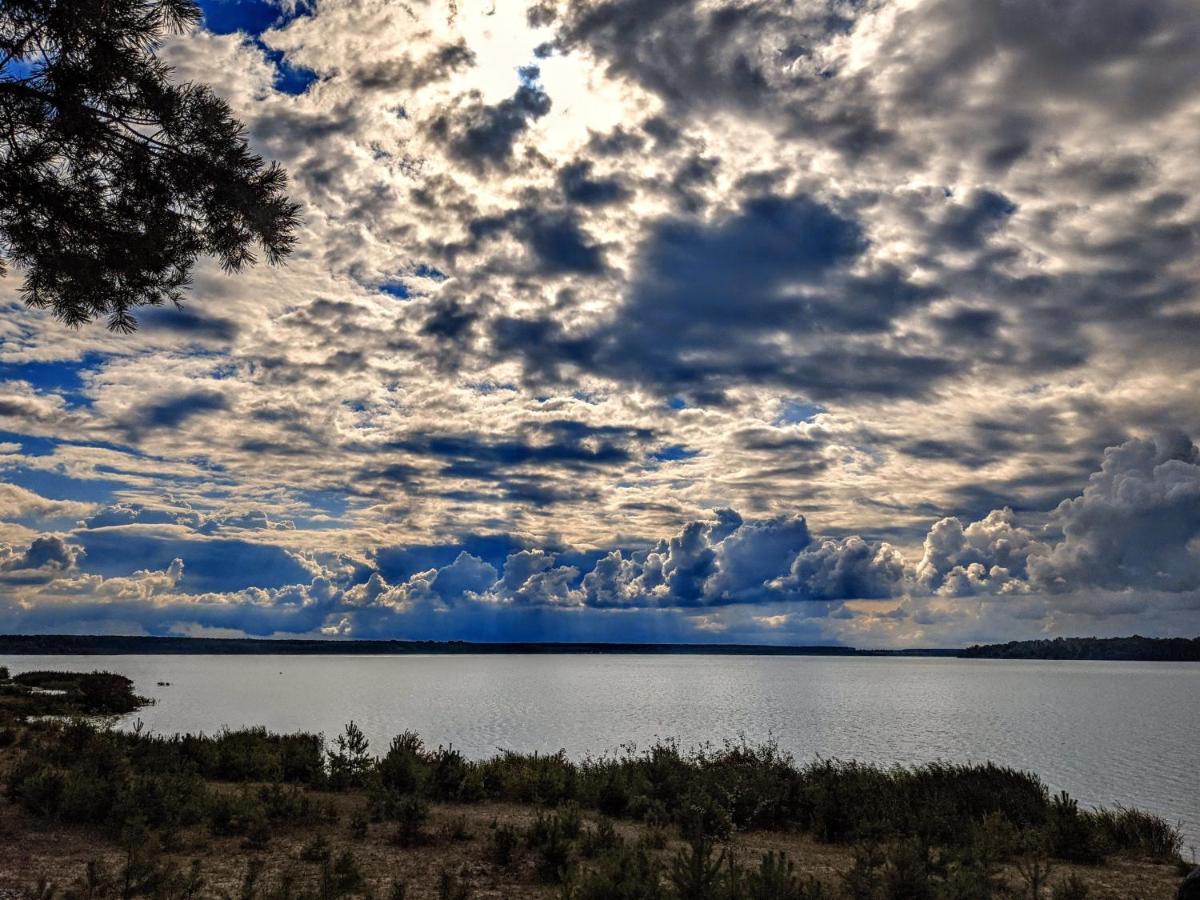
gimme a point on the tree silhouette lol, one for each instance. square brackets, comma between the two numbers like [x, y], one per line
[113, 180]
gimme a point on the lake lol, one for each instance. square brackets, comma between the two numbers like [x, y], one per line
[1107, 732]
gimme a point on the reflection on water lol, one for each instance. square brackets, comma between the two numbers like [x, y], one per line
[1106, 732]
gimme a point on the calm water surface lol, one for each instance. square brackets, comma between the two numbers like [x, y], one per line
[1106, 732]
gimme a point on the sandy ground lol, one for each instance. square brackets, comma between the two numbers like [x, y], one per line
[31, 850]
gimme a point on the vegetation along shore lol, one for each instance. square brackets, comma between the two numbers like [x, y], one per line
[92, 812]
[1135, 647]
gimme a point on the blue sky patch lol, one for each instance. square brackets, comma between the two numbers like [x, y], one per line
[431, 272]
[674, 453]
[251, 17]
[397, 289]
[794, 412]
[63, 377]
[56, 486]
[289, 78]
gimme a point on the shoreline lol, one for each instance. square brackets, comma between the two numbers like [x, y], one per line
[1130, 649]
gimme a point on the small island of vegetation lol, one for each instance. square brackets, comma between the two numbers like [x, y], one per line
[91, 813]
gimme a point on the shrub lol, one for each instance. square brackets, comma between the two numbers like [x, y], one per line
[162, 801]
[654, 837]
[316, 850]
[349, 761]
[1072, 835]
[552, 846]
[910, 872]
[452, 777]
[1034, 869]
[533, 778]
[627, 874]
[257, 829]
[341, 877]
[410, 813]
[1141, 832]
[696, 873]
[360, 826]
[775, 879]
[403, 768]
[38, 789]
[505, 845]
[861, 880]
[600, 839]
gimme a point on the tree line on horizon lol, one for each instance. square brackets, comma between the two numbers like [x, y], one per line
[1136, 648]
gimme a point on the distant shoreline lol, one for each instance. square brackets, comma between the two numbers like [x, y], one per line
[1135, 648]
[109, 645]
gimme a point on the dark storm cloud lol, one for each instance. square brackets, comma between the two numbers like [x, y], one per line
[757, 58]
[172, 411]
[483, 136]
[449, 318]
[709, 304]
[565, 444]
[406, 74]
[190, 323]
[690, 55]
[213, 564]
[580, 186]
[44, 553]
[555, 241]
[1135, 59]
[967, 226]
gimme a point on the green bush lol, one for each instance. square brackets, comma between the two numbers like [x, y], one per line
[505, 845]
[550, 839]
[1140, 832]
[697, 871]
[410, 814]
[625, 874]
[600, 839]
[316, 850]
[341, 877]
[403, 769]
[530, 778]
[775, 879]
[350, 761]
[452, 777]
[1073, 835]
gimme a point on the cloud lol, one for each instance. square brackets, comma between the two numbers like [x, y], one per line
[172, 411]
[840, 569]
[48, 554]
[17, 503]
[990, 554]
[1136, 524]
[742, 301]
[887, 279]
[483, 135]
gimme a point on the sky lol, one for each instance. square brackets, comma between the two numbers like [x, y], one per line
[867, 322]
